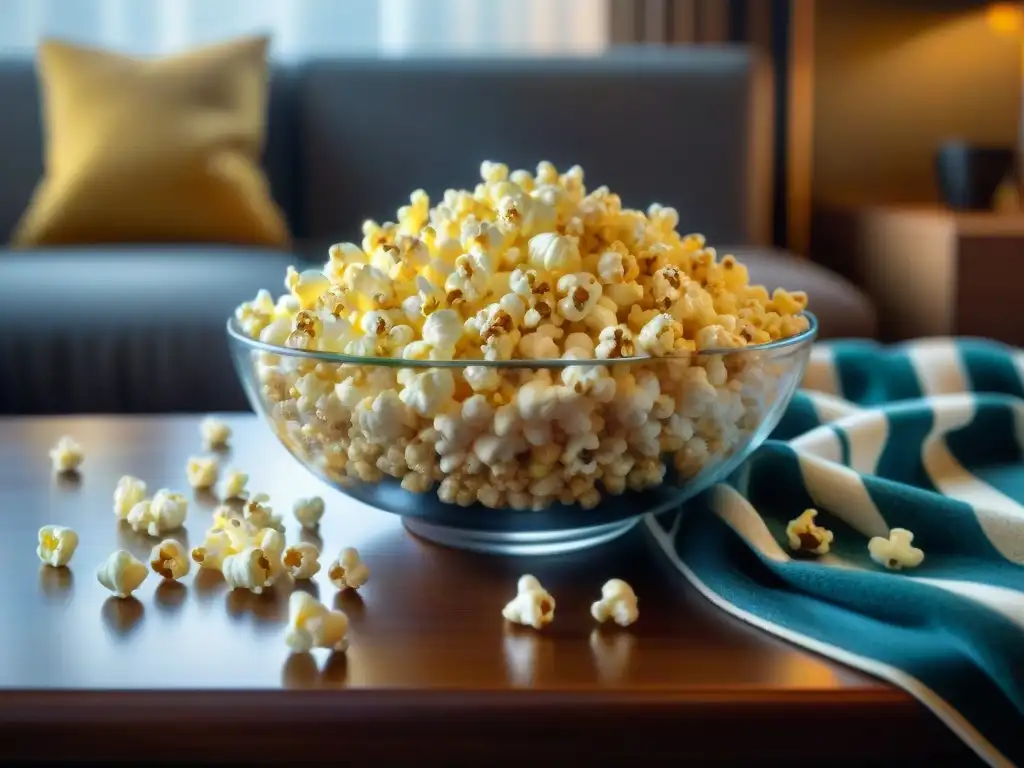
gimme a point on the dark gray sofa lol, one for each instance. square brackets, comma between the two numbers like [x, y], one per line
[135, 329]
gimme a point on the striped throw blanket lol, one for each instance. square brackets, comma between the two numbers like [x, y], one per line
[928, 437]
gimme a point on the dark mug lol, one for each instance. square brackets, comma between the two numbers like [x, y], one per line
[970, 175]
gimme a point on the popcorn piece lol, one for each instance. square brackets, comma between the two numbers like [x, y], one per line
[348, 571]
[215, 433]
[260, 514]
[896, 552]
[170, 560]
[202, 472]
[806, 536]
[57, 545]
[532, 606]
[249, 569]
[308, 512]
[121, 573]
[618, 602]
[163, 513]
[214, 549]
[272, 543]
[234, 485]
[311, 625]
[67, 455]
[661, 336]
[128, 492]
[302, 561]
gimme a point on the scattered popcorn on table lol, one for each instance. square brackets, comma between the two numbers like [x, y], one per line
[128, 492]
[57, 545]
[66, 455]
[122, 573]
[163, 513]
[215, 433]
[234, 485]
[618, 602]
[308, 512]
[202, 472]
[302, 561]
[170, 560]
[348, 571]
[805, 535]
[311, 625]
[249, 569]
[525, 267]
[532, 606]
[896, 552]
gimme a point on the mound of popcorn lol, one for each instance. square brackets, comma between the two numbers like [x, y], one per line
[524, 268]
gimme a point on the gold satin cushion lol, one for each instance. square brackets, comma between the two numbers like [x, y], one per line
[160, 150]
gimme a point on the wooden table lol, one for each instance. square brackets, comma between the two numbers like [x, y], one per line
[191, 671]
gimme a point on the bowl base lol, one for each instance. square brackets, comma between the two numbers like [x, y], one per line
[518, 544]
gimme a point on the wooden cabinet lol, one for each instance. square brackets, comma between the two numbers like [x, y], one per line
[930, 271]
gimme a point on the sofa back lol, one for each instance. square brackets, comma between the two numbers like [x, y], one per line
[349, 139]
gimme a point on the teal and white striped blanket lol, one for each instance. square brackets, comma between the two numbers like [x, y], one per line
[927, 436]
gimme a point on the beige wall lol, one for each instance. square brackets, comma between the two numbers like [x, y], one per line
[894, 78]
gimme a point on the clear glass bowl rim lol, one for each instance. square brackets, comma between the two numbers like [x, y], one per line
[236, 335]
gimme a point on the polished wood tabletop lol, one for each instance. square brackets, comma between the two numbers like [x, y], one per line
[190, 670]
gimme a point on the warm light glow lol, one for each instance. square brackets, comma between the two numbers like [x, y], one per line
[1005, 18]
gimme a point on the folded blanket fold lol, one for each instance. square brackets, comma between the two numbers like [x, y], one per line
[926, 436]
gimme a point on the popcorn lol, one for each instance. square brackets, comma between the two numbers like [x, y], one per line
[348, 571]
[248, 569]
[202, 472]
[532, 606]
[524, 267]
[259, 513]
[170, 560]
[67, 455]
[234, 485]
[302, 561]
[308, 512]
[121, 573]
[311, 625]
[618, 602]
[163, 513]
[128, 492]
[806, 536]
[57, 545]
[215, 433]
[215, 548]
[896, 552]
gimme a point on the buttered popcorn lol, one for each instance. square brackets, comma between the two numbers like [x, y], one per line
[525, 267]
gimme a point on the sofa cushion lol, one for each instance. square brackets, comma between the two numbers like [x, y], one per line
[843, 311]
[125, 330]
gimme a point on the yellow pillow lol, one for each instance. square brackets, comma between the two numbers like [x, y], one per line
[143, 151]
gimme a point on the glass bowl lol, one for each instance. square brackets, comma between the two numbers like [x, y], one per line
[562, 455]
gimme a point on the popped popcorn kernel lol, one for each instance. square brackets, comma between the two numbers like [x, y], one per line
[806, 536]
[169, 560]
[302, 561]
[214, 432]
[532, 606]
[163, 513]
[249, 569]
[128, 492]
[897, 551]
[121, 573]
[67, 455]
[211, 553]
[308, 512]
[57, 545]
[234, 485]
[618, 603]
[311, 625]
[348, 571]
[202, 472]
